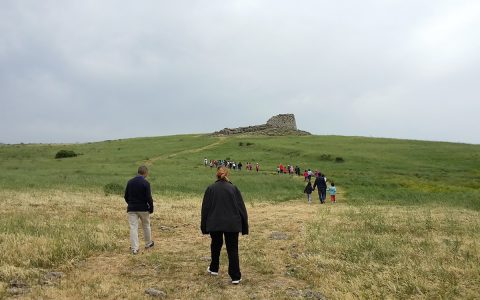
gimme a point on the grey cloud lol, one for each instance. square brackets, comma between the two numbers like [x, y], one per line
[93, 70]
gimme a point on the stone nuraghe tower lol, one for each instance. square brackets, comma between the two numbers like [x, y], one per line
[283, 124]
[286, 121]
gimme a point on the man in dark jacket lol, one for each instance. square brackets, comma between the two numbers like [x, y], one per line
[321, 184]
[224, 214]
[140, 205]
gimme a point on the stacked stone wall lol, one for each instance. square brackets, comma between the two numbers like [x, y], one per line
[286, 121]
[277, 125]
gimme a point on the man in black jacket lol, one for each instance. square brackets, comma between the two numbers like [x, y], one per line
[224, 214]
[321, 184]
[140, 205]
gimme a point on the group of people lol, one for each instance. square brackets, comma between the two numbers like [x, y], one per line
[230, 164]
[321, 185]
[288, 169]
[223, 216]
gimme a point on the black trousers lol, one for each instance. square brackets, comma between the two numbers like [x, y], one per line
[231, 241]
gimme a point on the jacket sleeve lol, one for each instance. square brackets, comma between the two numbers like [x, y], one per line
[126, 194]
[149, 198]
[242, 210]
[206, 204]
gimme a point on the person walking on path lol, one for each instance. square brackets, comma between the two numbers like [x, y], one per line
[332, 190]
[322, 187]
[308, 190]
[224, 215]
[139, 200]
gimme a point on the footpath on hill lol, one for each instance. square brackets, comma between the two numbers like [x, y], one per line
[178, 262]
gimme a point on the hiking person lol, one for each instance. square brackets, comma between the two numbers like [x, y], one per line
[139, 199]
[224, 215]
[257, 167]
[322, 187]
[308, 190]
[305, 175]
[332, 190]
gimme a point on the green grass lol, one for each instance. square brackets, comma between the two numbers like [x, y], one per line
[374, 170]
[404, 252]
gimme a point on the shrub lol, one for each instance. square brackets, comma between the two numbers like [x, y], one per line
[249, 144]
[113, 189]
[339, 160]
[240, 144]
[325, 157]
[65, 153]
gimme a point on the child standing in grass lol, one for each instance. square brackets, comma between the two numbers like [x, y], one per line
[308, 190]
[332, 190]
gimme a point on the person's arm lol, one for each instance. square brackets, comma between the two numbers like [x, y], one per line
[126, 194]
[206, 204]
[242, 210]
[314, 185]
[149, 198]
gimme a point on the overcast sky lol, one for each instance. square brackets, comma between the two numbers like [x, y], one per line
[77, 71]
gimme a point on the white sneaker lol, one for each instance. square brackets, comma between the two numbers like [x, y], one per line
[212, 273]
[134, 252]
[236, 281]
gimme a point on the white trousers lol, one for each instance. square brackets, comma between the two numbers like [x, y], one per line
[133, 217]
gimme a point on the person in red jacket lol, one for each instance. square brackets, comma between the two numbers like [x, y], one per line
[224, 215]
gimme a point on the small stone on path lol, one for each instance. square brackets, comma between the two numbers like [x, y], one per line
[17, 287]
[278, 236]
[155, 293]
[54, 275]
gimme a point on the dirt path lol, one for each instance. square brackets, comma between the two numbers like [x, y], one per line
[177, 264]
[152, 160]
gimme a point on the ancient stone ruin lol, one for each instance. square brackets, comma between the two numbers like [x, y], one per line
[283, 124]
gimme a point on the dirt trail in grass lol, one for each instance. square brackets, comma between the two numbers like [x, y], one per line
[152, 160]
[177, 264]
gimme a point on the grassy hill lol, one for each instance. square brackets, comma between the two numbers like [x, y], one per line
[406, 225]
[373, 171]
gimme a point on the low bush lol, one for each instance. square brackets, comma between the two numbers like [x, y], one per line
[65, 154]
[113, 189]
[339, 159]
[326, 157]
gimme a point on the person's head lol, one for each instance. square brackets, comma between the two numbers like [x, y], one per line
[332, 183]
[222, 173]
[143, 170]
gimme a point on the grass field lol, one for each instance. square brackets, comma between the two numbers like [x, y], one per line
[407, 224]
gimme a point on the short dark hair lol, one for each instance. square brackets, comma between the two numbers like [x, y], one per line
[142, 170]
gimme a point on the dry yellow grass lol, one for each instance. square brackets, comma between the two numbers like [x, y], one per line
[337, 250]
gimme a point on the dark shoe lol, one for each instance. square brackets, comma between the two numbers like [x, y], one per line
[150, 245]
[211, 272]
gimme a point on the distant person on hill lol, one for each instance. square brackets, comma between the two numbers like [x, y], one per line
[332, 190]
[322, 187]
[310, 173]
[305, 175]
[138, 196]
[240, 166]
[308, 190]
[257, 167]
[224, 215]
